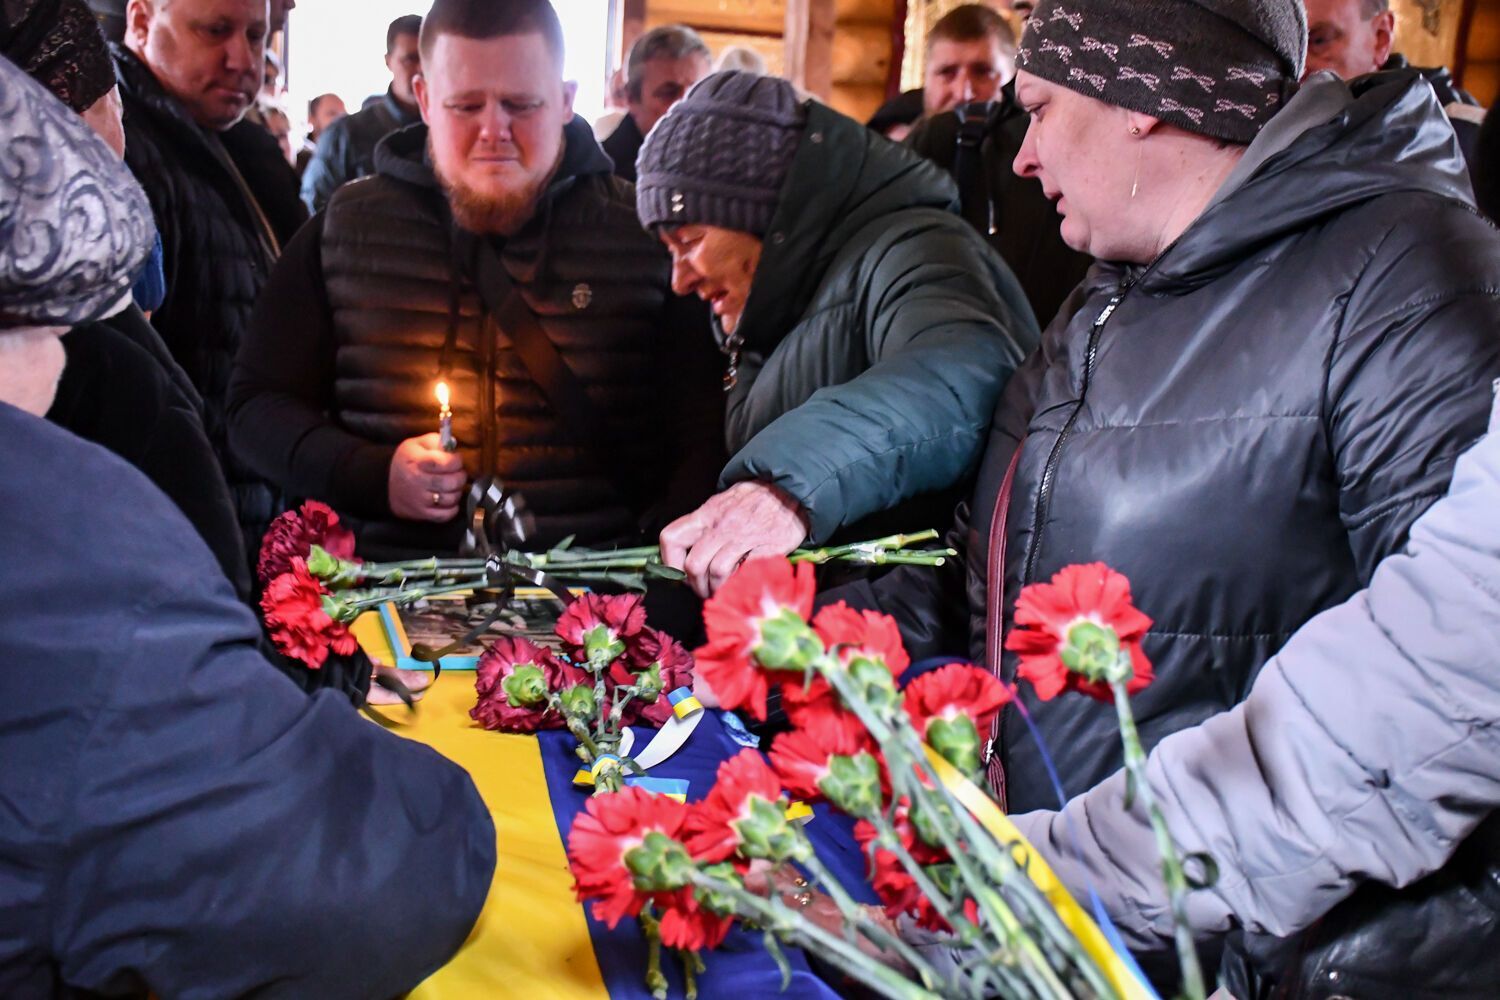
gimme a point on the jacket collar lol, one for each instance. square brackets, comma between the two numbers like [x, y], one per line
[399, 112]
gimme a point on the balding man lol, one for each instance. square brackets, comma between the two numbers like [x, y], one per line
[224, 197]
[1352, 38]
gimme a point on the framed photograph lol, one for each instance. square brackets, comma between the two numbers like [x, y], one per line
[438, 621]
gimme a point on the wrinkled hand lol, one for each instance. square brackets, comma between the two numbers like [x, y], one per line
[416, 682]
[745, 521]
[765, 879]
[426, 482]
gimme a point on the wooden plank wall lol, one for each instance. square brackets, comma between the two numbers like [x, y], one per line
[1478, 62]
[838, 50]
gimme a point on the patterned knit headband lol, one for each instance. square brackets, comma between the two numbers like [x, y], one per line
[1221, 69]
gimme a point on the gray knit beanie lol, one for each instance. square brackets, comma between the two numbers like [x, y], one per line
[1221, 68]
[721, 155]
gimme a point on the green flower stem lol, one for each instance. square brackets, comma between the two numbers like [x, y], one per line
[905, 760]
[792, 927]
[402, 596]
[692, 968]
[1171, 863]
[655, 981]
[1001, 864]
[820, 556]
[1034, 965]
[872, 930]
[952, 912]
[900, 761]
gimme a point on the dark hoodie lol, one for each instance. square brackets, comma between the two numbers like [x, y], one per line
[349, 339]
[1254, 426]
[878, 334]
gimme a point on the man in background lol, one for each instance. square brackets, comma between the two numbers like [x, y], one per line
[347, 149]
[1352, 38]
[322, 111]
[223, 195]
[664, 64]
[971, 54]
[493, 249]
[971, 59]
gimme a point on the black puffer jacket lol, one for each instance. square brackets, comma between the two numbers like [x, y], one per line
[346, 347]
[1021, 224]
[1247, 426]
[215, 257]
[121, 390]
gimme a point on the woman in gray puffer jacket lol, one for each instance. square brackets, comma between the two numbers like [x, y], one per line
[1368, 751]
[1243, 409]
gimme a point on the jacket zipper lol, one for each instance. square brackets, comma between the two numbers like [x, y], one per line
[1049, 472]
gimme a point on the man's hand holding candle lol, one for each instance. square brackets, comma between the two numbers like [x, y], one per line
[426, 483]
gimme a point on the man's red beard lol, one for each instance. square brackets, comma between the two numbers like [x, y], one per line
[487, 214]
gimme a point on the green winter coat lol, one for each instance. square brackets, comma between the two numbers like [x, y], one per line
[878, 333]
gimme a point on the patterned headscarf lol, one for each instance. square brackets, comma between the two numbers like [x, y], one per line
[75, 227]
[58, 42]
[1220, 68]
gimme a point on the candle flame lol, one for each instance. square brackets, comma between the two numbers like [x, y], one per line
[442, 394]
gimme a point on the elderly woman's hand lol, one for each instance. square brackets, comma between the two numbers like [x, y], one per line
[746, 520]
[818, 907]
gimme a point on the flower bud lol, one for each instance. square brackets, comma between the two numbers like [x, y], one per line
[874, 685]
[526, 687]
[659, 863]
[853, 784]
[720, 903]
[787, 642]
[578, 701]
[957, 741]
[602, 646]
[766, 832]
[649, 682]
[1092, 650]
[338, 610]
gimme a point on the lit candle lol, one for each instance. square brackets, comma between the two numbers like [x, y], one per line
[445, 418]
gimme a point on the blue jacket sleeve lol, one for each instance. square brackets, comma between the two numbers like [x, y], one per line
[230, 836]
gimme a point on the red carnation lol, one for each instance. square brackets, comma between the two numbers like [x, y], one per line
[952, 709]
[801, 757]
[686, 924]
[292, 605]
[851, 635]
[512, 679]
[866, 634]
[294, 533]
[815, 706]
[897, 890]
[758, 616]
[725, 819]
[674, 669]
[1069, 633]
[596, 626]
[612, 826]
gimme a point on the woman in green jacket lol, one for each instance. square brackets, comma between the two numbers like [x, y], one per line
[868, 330]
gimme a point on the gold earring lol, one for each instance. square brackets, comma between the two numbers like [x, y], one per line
[1135, 130]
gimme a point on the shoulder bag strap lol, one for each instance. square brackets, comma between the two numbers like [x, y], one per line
[561, 387]
[994, 613]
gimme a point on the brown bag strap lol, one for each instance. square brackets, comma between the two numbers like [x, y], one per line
[994, 613]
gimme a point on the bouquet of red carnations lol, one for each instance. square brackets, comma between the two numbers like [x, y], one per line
[613, 671]
[901, 762]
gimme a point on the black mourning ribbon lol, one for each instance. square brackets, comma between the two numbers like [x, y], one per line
[498, 520]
